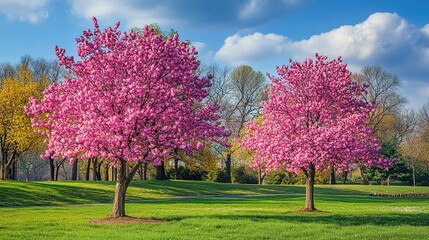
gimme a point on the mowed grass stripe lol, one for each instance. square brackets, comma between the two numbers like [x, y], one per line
[263, 217]
[14, 193]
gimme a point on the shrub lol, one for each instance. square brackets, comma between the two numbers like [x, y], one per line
[241, 174]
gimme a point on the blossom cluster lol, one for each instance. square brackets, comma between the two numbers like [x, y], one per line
[131, 97]
[314, 115]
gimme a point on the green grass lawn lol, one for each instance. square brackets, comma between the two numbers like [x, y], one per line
[348, 212]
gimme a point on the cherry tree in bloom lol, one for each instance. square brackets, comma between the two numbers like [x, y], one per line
[314, 118]
[132, 98]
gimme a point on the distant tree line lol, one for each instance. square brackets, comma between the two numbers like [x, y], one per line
[239, 91]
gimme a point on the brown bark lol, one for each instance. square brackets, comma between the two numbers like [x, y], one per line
[4, 157]
[120, 190]
[414, 175]
[8, 167]
[309, 188]
[176, 168]
[160, 172]
[332, 179]
[141, 172]
[106, 172]
[123, 179]
[14, 171]
[88, 167]
[228, 168]
[52, 168]
[145, 171]
[99, 170]
[57, 171]
[364, 180]
[2, 170]
[74, 170]
[94, 169]
[345, 176]
[114, 173]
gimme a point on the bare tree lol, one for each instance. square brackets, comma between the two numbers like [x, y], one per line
[405, 124]
[7, 70]
[44, 70]
[382, 90]
[238, 93]
[32, 167]
[423, 117]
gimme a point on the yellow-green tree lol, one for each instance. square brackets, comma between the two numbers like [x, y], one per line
[244, 156]
[16, 133]
[205, 159]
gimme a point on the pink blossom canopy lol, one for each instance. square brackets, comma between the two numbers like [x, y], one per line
[131, 97]
[313, 115]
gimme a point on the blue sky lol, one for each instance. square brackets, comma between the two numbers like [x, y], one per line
[393, 34]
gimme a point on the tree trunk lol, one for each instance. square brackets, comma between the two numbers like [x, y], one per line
[123, 179]
[52, 168]
[364, 180]
[120, 190]
[2, 177]
[345, 176]
[309, 188]
[74, 170]
[57, 168]
[88, 167]
[57, 171]
[14, 171]
[145, 171]
[114, 173]
[228, 168]
[414, 175]
[141, 172]
[176, 168]
[160, 172]
[94, 169]
[99, 170]
[3, 161]
[261, 178]
[9, 166]
[332, 179]
[106, 172]
[9, 170]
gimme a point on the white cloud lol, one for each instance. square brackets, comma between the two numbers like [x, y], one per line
[32, 11]
[199, 46]
[113, 11]
[381, 35]
[383, 39]
[175, 13]
[243, 50]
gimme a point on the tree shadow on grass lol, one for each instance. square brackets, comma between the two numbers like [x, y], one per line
[394, 219]
[51, 194]
[70, 192]
[281, 199]
[389, 218]
[181, 188]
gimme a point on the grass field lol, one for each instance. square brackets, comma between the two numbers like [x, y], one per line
[348, 212]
